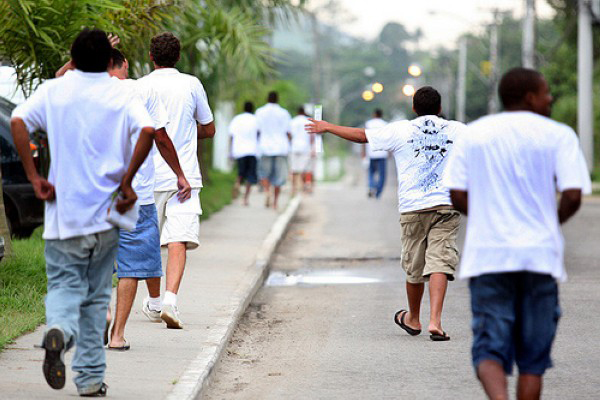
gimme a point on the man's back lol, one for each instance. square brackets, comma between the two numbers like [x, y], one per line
[244, 130]
[300, 138]
[185, 100]
[273, 124]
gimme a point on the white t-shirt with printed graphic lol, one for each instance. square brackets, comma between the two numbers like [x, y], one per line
[243, 129]
[90, 119]
[375, 123]
[511, 164]
[421, 148]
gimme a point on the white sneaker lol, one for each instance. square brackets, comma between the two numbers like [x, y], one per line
[170, 314]
[152, 315]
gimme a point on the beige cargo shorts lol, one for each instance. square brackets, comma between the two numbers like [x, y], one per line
[429, 244]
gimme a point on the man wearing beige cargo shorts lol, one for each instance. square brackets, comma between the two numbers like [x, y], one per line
[429, 223]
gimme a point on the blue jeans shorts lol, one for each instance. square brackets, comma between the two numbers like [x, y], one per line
[273, 168]
[139, 250]
[515, 316]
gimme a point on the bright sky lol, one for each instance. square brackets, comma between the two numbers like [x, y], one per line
[442, 21]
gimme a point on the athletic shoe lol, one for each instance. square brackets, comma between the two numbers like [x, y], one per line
[152, 315]
[170, 314]
[101, 392]
[54, 362]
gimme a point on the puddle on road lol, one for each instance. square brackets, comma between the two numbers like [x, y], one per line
[319, 277]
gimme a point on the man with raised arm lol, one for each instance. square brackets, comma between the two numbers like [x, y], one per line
[505, 173]
[429, 222]
[90, 119]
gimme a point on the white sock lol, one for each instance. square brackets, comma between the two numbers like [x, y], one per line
[154, 303]
[170, 298]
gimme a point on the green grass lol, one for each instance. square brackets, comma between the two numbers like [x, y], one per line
[217, 192]
[22, 288]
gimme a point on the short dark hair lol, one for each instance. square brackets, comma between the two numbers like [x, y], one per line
[378, 112]
[91, 51]
[249, 107]
[273, 97]
[301, 111]
[165, 49]
[118, 58]
[427, 101]
[516, 83]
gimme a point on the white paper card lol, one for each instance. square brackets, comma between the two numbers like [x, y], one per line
[126, 221]
[190, 206]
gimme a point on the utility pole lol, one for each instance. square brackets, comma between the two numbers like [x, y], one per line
[461, 80]
[585, 99]
[493, 98]
[529, 35]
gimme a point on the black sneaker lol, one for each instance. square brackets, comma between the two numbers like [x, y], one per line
[101, 392]
[54, 364]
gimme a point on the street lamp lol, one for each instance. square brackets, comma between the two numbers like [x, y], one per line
[368, 95]
[408, 90]
[415, 70]
[377, 87]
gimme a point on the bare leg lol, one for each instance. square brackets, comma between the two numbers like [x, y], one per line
[247, 194]
[236, 187]
[493, 379]
[175, 265]
[153, 285]
[276, 198]
[529, 387]
[438, 283]
[294, 184]
[414, 292]
[266, 187]
[126, 290]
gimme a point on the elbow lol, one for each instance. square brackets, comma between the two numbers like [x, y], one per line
[572, 199]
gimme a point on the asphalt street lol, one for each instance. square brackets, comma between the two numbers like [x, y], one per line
[321, 328]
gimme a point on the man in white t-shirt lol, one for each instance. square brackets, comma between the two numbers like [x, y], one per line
[90, 119]
[243, 131]
[505, 172]
[274, 145]
[429, 222]
[302, 151]
[190, 119]
[377, 158]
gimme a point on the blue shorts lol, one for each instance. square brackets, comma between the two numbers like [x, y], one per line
[515, 316]
[139, 250]
[273, 168]
[247, 169]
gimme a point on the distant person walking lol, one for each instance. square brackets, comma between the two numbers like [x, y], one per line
[505, 172]
[274, 145]
[302, 152]
[90, 119]
[377, 158]
[190, 119]
[243, 131]
[429, 222]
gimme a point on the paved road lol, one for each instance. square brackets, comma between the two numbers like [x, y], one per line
[330, 335]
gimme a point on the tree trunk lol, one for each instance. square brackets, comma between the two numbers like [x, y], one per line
[4, 231]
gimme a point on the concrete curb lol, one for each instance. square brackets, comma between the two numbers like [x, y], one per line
[196, 377]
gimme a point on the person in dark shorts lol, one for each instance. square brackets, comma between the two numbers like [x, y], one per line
[243, 131]
[505, 172]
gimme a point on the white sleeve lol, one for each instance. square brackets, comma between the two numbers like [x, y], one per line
[33, 111]
[456, 174]
[571, 168]
[202, 112]
[389, 137]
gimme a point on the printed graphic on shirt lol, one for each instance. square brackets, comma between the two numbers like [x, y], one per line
[431, 144]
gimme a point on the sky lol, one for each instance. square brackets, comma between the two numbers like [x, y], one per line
[442, 21]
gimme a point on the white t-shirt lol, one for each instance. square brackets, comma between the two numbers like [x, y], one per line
[244, 131]
[89, 119]
[421, 148]
[273, 124]
[185, 100]
[143, 182]
[375, 123]
[511, 164]
[300, 138]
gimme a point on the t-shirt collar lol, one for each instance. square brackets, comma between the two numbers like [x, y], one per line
[91, 75]
[165, 71]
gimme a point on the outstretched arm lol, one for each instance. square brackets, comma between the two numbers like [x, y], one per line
[165, 146]
[345, 132]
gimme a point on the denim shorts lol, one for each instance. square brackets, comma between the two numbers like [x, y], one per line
[139, 250]
[273, 168]
[515, 316]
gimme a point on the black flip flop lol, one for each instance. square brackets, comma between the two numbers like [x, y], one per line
[436, 337]
[125, 347]
[401, 324]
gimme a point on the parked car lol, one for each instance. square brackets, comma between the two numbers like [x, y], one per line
[24, 211]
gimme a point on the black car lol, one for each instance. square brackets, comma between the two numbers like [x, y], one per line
[24, 211]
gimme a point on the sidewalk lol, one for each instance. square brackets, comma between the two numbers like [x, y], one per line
[220, 279]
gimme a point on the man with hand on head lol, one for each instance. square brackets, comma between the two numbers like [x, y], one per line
[90, 119]
[429, 222]
[505, 172]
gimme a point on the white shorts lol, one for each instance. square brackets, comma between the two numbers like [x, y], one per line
[177, 227]
[300, 162]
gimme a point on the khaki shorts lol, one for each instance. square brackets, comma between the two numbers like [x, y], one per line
[429, 244]
[176, 228]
